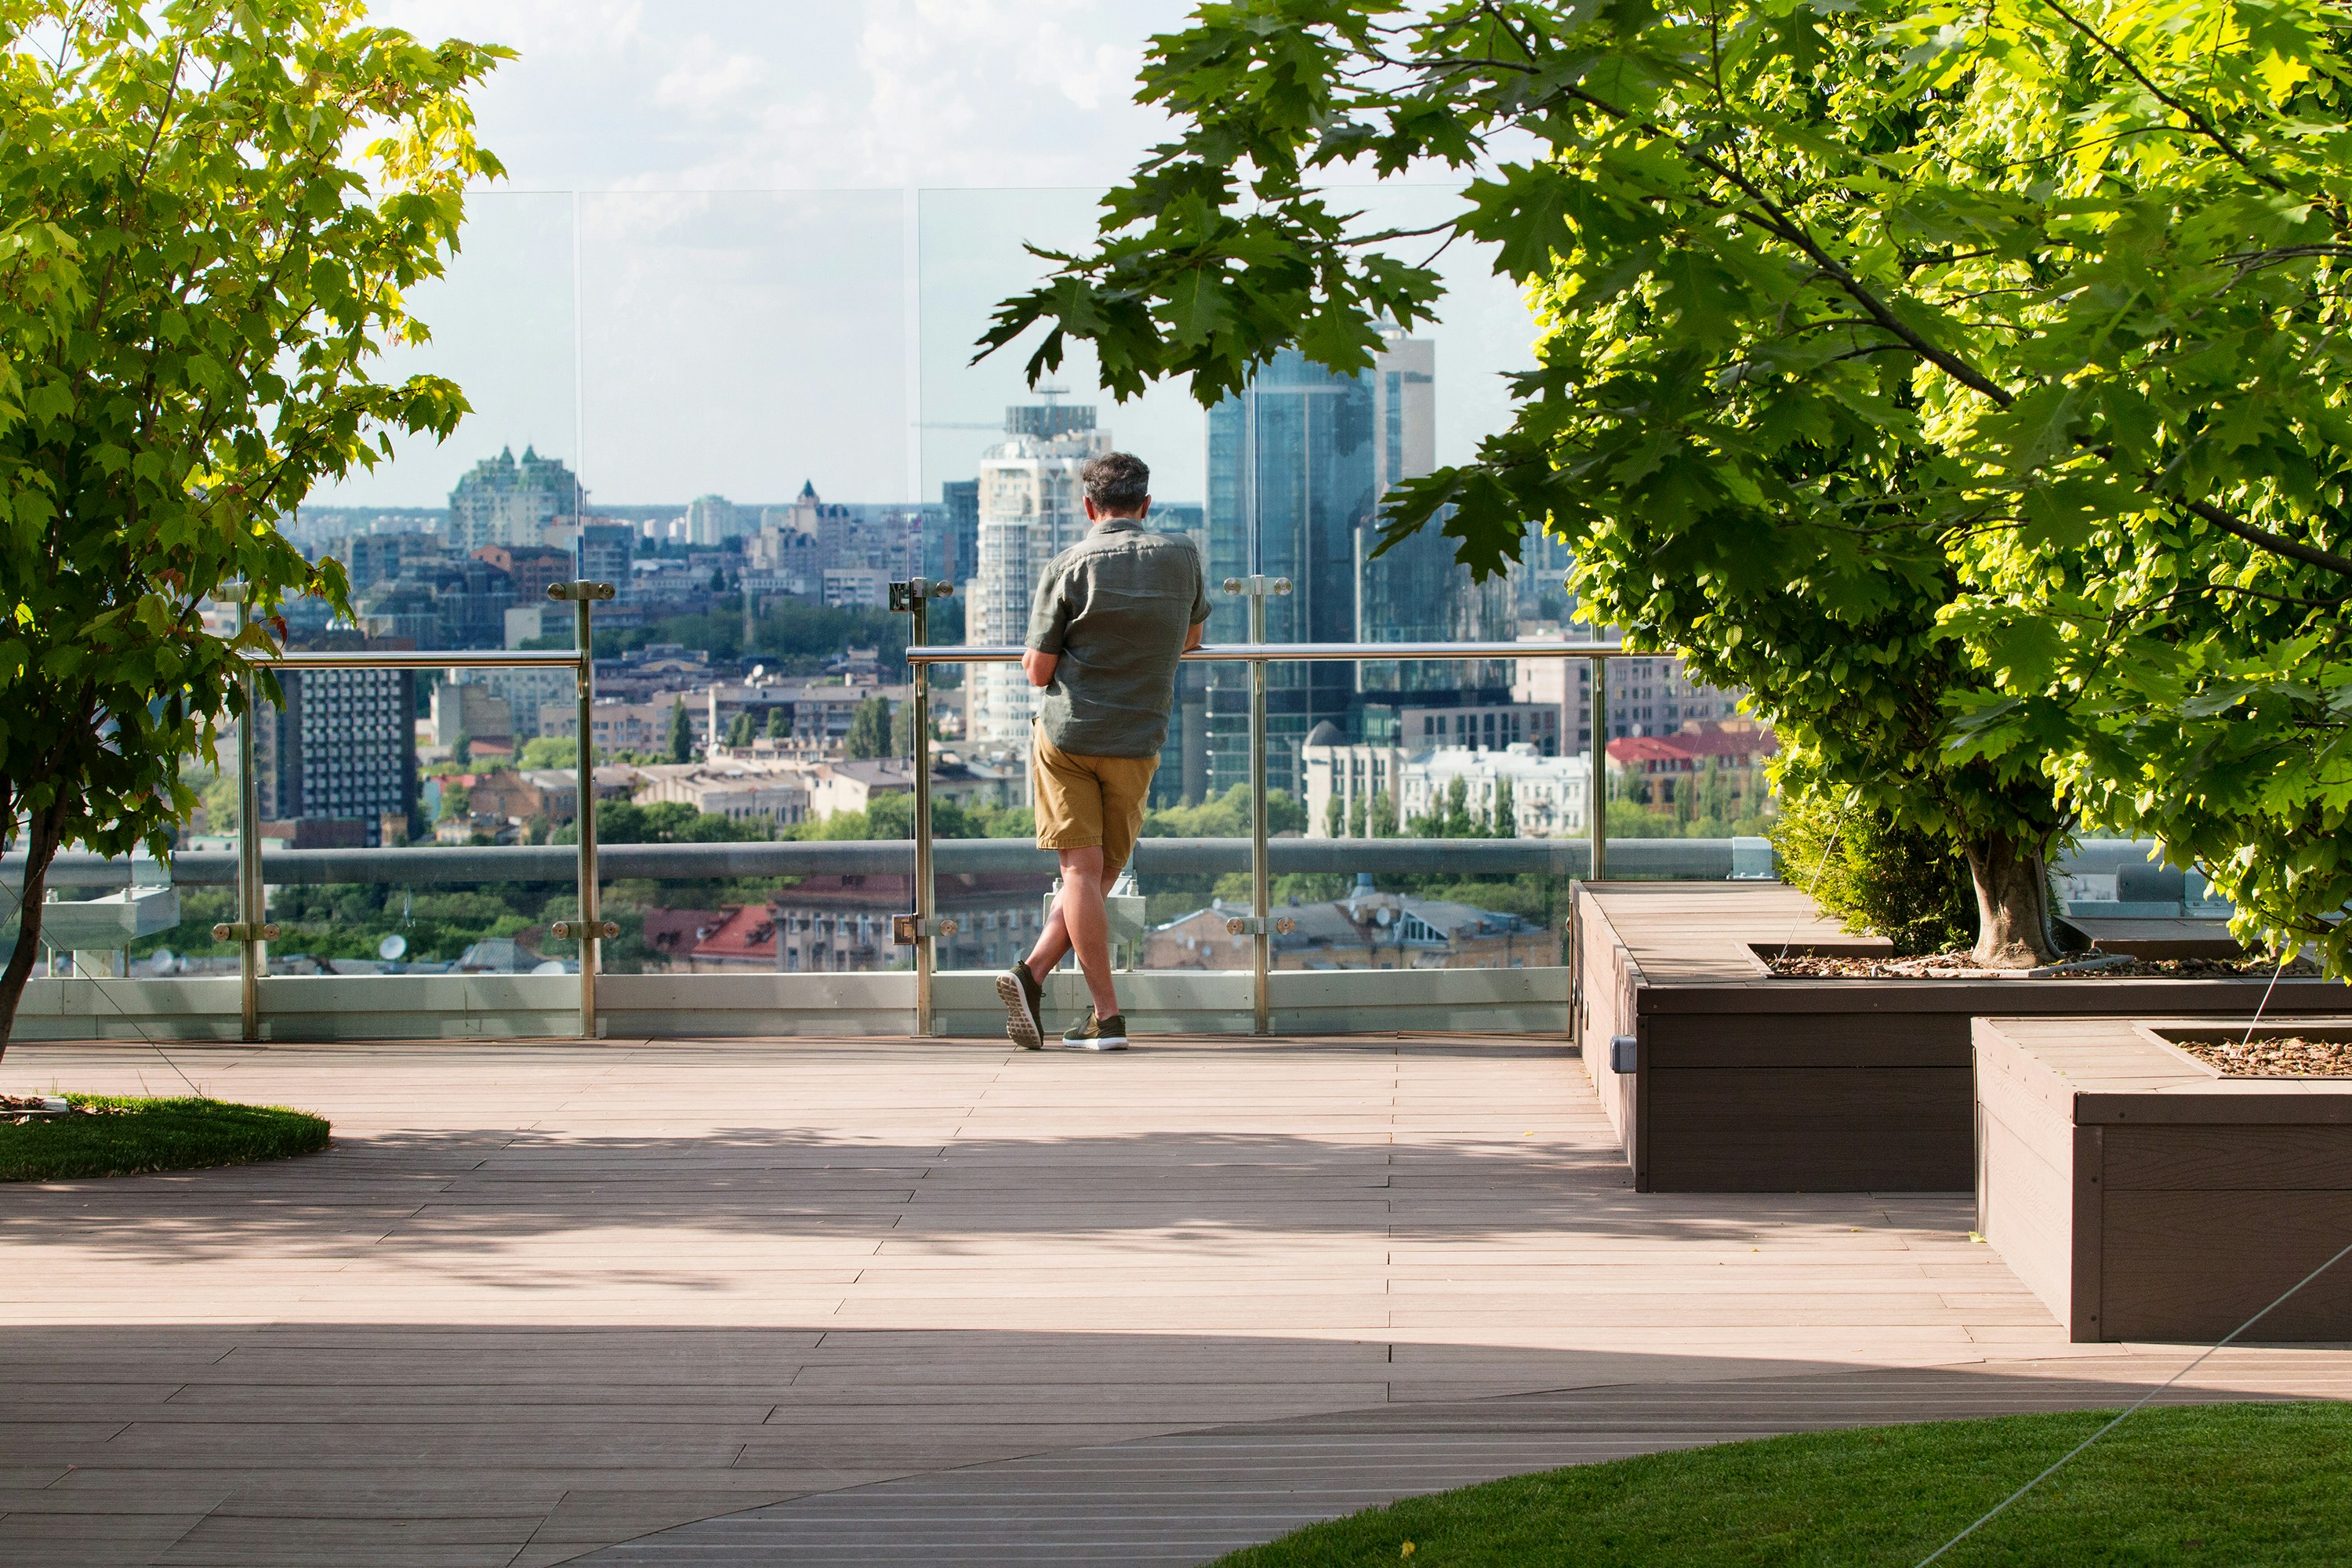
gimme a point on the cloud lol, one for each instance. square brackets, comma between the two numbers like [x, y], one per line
[718, 94]
[711, 82]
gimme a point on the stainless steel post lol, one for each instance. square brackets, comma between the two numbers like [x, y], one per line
[585, 814]
[1261, 886]
[1597, 785]
[920, 749]
[253, 956]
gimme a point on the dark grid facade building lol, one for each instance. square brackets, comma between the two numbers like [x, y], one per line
[342, 749]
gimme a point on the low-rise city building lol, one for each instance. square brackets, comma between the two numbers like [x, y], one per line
[841, 924]
[1349, 784]
[1549, 794]
[1367, 930]
[1734, 751]
[1649, 694]
[620, 726]
[1354, 774]
[738, 790]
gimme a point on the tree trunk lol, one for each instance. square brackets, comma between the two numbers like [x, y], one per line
[40, 850]
[2011, 901]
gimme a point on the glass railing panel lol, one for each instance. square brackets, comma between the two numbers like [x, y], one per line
[748, 364]
[987, 876]
[475, 925]
[1683, 760]
[410, 530]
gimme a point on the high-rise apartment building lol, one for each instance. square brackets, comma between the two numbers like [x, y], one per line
[504, 502]
[343, 749]
[1299, 461]
[530, 567]
[373, 558]
[605, 550]
[959, 536]
[1031, 508]
[712, 519]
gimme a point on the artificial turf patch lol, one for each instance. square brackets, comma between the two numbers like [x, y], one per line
[2222, 1484]
[128, 1135]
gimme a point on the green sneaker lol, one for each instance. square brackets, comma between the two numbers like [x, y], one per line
[1024, 1001]
[1093, 1034]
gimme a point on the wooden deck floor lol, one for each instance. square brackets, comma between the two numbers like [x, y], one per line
[540, 1299]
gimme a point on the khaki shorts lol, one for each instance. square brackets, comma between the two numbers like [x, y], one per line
[1084, 801]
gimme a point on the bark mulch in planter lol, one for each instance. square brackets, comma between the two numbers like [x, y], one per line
[2145, 1194]
[1738, 1080]
[1813, 966]
[2289, 1056]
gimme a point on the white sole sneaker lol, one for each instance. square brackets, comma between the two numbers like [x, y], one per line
[1020, 1023]
[1116, 1043]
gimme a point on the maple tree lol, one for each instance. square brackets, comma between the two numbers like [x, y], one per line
[211, 211]
[1965, 380]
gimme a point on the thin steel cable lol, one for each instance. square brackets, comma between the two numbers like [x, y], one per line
[128, 1018]
[1992, 1512]
[2284, 954]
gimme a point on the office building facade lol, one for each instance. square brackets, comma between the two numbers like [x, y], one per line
[1297, 463]
[342, 748]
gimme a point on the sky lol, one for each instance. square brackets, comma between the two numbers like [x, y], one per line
[746, 244]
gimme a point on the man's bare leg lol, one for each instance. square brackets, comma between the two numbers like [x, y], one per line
[1080, 923]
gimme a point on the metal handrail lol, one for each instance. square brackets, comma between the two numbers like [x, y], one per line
[420, 659]
[1314, 652]
[447, 865]
[251, 867]
[589, 931]
[1257, 653]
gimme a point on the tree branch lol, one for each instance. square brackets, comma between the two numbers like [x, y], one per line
[2276, 544]
[1777, 223]
[2205, 127]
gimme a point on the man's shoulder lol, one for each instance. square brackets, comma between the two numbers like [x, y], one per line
[1126, 541]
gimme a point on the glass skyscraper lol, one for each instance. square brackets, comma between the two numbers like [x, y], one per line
[1297, 462]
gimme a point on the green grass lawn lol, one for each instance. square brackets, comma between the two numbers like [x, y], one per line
[154, 1135]
[2230, 1484]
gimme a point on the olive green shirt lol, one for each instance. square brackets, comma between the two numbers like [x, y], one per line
[1115, 607]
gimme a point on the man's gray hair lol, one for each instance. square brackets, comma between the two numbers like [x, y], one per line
[1117, 482]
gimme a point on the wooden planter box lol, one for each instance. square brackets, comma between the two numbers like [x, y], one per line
[1736, 1082]
[2143, 1196]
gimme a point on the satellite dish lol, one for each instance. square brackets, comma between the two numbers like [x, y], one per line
[551, 966]
[163, 959]
[392, 947]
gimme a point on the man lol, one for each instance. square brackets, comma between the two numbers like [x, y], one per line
[1112, 613]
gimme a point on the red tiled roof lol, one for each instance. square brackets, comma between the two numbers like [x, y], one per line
[676, 930]
[747, 934]
[1687, 750]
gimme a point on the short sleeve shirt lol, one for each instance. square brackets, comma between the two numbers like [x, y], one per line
[1115, 607]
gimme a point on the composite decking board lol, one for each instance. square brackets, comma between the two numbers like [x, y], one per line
[610, 1289]
[1183, 1498]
